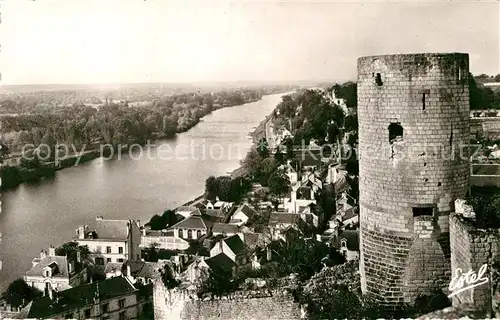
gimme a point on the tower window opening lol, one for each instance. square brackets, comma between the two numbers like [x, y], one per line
[395, 132]
[422, 211]
[425, 93]
[378, 80]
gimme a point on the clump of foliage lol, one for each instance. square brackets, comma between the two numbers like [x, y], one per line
[166, 220]
[226, 188]
[486, 204]
[168, 278]
[19, 293]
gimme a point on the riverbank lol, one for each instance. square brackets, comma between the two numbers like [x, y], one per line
[14, 175]
[258, 133]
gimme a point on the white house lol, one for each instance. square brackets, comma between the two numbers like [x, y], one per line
[193, 228]
[55, 272]
[302, 195]
[242, 214]
[111, 240]
[162, 239]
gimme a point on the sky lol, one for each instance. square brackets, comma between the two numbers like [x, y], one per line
[136, 41]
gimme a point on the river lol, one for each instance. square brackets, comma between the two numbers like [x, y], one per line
[139, 184]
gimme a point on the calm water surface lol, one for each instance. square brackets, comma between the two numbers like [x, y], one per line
[138, 185]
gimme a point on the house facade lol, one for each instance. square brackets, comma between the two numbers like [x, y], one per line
[55, 272]
[111, 240]
[192, 228]
[242, 214]
[162, 239]
[114, 298]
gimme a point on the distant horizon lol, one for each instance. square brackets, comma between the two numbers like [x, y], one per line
[179, 83]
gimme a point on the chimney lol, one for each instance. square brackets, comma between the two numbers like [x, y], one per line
[81, 232]
[129, 272]
[43, 254]
[52, 251]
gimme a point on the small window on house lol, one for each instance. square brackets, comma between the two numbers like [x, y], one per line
[378, 80]
[108, 260]
[108, 249]
[121, 303]
[120, 249]
[198, 234]
[105, 308]
[395, 132]
[120, 260]
[190, 234]
[422, 211]
[181, 233]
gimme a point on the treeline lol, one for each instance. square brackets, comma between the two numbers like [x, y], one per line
[482, 97]
[81, 125]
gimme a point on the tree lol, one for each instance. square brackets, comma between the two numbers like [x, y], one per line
[278, 183]
[211, 188]
[157, 223]
[168, 278]
[170, 218]
[197, 248]
[150, 254]
[262, 148]
[19, 293]
[218, 282]
[71, 249]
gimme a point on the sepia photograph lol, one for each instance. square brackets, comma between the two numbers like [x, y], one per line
[249, 159]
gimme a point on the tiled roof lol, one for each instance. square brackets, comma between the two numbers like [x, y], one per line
[350, 213]
[193, 222]
[186, 209]
[60, 261]
[78, 297]
[148, 270]
[246, 210]
[352, 238]
[252, 240]
[225, 228]
[112, 267]
[235, 244]
[221, 261]
[283, 218]
[214, 213]
[112, 229]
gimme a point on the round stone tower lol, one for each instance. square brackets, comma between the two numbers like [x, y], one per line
[413, 112]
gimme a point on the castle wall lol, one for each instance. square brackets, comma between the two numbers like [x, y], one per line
[179, 304]
[413, 113]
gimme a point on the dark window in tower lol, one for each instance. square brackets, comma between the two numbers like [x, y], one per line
[395, 132]
[422, 211]
[425, 94]
[378, 80]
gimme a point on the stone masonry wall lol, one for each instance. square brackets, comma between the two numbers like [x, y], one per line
[470, 249]
[419, 172]
[179, 304]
